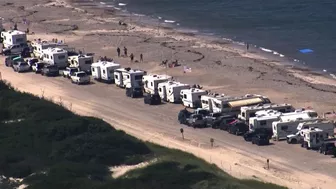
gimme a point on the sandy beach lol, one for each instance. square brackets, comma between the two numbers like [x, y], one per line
[216, 65]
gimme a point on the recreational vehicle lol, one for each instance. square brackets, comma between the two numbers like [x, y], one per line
[169, 91]
[281, 129]
[56, 56]
[13, 37]
[231, 105]
[246, 112]
[192, 97]
[151, 82]
[265, 118]
[104, 71]
[82, 61]
[127, 77]
[313, 138]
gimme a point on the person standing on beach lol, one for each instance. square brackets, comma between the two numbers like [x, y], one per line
[141, 57]
[247, 46]
[125, 51]
[132, 57]
[118, 51]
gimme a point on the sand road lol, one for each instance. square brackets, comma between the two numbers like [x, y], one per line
[291, 165]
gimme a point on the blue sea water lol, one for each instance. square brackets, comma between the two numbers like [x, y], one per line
[285, 26]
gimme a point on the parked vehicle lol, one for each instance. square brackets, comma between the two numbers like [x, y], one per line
[214, 119]
[184, 114]
[50, 70]
[226, 122]
[38, 66]
[32, 61]
[16, 49]
[260, 139]
[21, 67]
[9, 61]
[238, 128]
[328, 148]
[80, 78]
[152, 99]
[69, 71]
[250, 134]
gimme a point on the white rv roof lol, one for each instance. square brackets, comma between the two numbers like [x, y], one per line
[55, 51]
[105, 64]
[173, 83]
[312, 130]
[129, 71]
[264, 106]
[15, 32]
[193, 90]
[266, 117]
[36, 42]
[297, 114]
[157, 77]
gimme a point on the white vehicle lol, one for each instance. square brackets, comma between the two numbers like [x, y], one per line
[151, 82]
[313, 138]
[169, 91]
[40, 46]
[130, 79]
[13, 37]
[265, 118]
[231, 105]
[56, 56]
[38, 66]
[31, 61]
[192, 97]
[83, 62]
[104, 71]
[283, 129]
[246, 112]
[80, 78]
[69, 71]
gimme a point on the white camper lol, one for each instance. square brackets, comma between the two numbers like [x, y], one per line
[325, 125]
[246, 112]
[281, 129]
[13, 37]
[56, 56]
[39, 46]
[104, 71]
[82, 61]
[231, 105]
[192, 97]
[128, 78]
[265, 118]
[152, 81]
[313, 138]
[169, 91]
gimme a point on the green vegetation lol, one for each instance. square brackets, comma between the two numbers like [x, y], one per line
[50, 147]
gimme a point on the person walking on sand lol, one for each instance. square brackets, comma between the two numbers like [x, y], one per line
[125, 51]
[141, 57]
[247, 46]
[118, 51]
[132, 57]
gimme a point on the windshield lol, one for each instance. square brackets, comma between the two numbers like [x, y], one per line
[23, 64]
[81, 74]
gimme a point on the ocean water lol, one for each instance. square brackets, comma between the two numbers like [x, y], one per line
[284, 26]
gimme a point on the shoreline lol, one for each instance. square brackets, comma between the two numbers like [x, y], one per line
[215, 66]
[210, 37]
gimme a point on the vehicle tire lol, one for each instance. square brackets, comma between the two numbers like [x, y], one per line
[294, 141]
[237, 132]
[324, 152]
[253, 142]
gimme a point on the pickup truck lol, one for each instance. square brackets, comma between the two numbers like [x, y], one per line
[295, 138]
[16, 49]
[80, 78]
[250, 134]
[214, 119]
[194, 119]
[38, 66]
[238, 128]
[69, 71]
[21, 66]
[50, 70]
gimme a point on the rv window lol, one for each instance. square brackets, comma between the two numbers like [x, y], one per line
[252, 114]
[103, 71]
[284, 127]
[199, 97]
[138, 77]
[312, 114]
[243, 114]
[226, 105]
[51, 57]
[152, 84]
[160, 89]
[127, 76]
[39, 49]
[218, 105]
[263, 122]
[185, 96]
[61, 57]
[282, 110]
[116, 76]
[93, 69]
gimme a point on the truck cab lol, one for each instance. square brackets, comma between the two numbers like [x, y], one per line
[80, 77]
[69, 71]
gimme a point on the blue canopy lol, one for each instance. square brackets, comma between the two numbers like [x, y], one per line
[304, 51]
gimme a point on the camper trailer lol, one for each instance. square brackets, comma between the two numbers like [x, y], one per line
[104, 71]
[246, 112]
[231, 105]
[13, 37]
[82, 61]
[151, 82]
[281, 129]
[265, 118]
[56, 56]
[169, 91]
[39, 46]
[192, 97]
[313, 138]
[127, 77]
